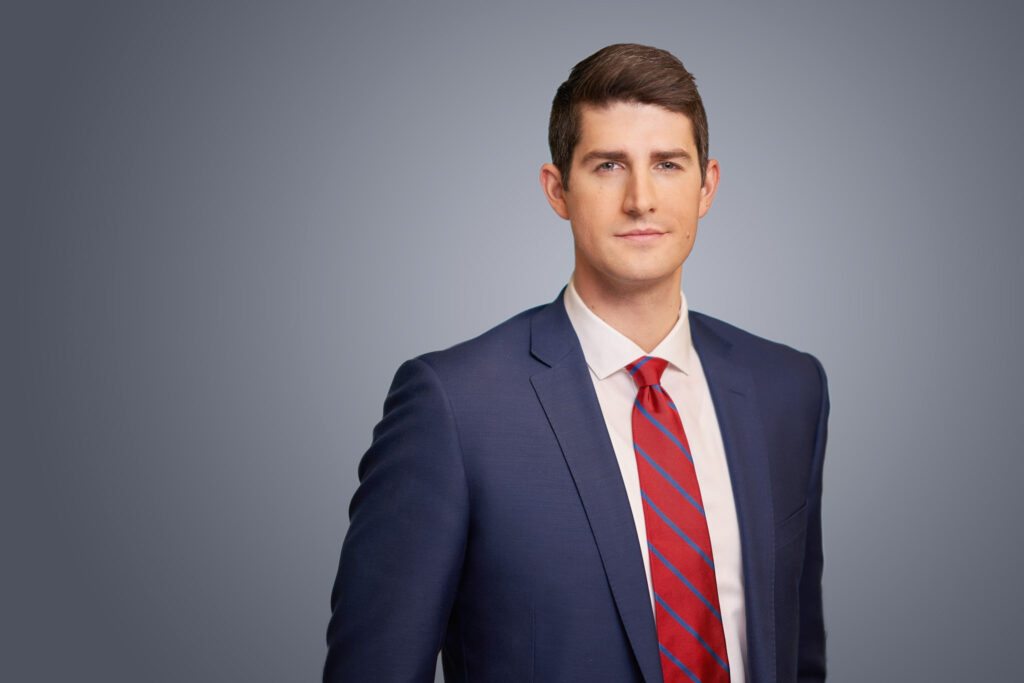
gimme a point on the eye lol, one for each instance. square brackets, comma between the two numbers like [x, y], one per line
[669, 165]
[607, 166]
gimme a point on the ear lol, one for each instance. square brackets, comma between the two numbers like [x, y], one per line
[707, 192]
[551, 183]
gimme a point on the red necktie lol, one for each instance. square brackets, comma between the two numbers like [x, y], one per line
[688, 617]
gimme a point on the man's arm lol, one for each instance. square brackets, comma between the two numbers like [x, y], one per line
[811, 657]
[402, 556]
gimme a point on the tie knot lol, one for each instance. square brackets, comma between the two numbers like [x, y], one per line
[647, 370]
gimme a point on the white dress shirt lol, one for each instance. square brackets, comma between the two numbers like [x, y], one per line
[608, 352]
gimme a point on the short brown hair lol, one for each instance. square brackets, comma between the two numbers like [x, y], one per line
[625, 72]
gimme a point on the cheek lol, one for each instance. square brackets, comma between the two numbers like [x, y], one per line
[586, 224]
[688, 212]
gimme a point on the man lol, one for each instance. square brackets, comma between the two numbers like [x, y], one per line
[609, 487]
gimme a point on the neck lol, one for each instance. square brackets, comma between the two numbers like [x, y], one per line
[645, 315]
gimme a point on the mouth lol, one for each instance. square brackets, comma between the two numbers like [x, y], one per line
[641, 235]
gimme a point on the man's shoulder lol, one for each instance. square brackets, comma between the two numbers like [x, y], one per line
[505, 345]
[711, 335]
[736, 337]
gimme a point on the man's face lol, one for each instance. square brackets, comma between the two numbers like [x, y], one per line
[634, 197]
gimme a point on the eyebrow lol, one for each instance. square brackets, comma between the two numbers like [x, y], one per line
[678, 153]
[607, 154]
[618, 155]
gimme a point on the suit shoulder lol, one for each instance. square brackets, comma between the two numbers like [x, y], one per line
[507, 343]
[755, 351]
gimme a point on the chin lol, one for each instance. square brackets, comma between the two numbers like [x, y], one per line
[648, 279]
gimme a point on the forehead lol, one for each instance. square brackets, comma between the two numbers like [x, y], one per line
[633, 127]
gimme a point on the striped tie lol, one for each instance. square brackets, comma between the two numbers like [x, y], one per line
[689, 620]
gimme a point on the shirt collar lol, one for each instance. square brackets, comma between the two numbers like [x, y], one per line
[607, 350]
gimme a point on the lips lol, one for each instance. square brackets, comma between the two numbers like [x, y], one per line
[641, 235]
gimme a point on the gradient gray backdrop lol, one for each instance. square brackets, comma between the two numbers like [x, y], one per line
[226, 224]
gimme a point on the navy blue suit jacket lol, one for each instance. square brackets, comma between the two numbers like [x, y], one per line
[491, 521]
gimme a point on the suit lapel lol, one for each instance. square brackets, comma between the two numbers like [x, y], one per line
[733, 395]
[566, 393]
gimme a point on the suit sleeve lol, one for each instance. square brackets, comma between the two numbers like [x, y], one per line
[811, 657]
[402, 556]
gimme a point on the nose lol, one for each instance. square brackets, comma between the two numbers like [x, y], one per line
[640, 196]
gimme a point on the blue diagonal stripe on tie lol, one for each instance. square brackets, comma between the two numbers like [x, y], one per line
[692, 631]
[672, 525]
[637, 366]
[667, 399]
[679, 575]
[672, 658]
[661, 427]
[670, 480]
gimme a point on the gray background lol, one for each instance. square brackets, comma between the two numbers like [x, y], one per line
[226, 224]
